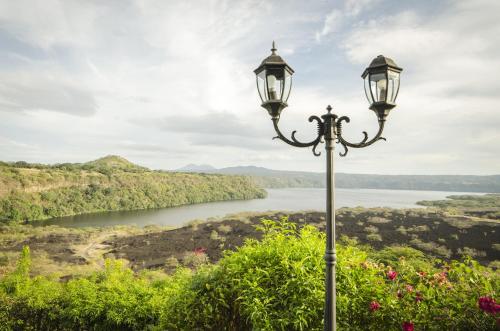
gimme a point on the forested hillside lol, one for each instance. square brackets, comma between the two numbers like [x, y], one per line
[270, 178]
[34, 191]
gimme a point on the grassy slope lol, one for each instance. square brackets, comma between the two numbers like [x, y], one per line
[484, 206]
[34, 192]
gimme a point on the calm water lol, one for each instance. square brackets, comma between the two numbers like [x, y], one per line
[278, 199]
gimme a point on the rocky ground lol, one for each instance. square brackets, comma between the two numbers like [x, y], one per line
[68, 251]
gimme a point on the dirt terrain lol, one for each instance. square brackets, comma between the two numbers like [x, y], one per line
[435, 233]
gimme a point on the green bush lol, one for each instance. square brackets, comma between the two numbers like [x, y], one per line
[273, 284]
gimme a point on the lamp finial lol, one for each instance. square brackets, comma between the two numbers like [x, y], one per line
[274, 48]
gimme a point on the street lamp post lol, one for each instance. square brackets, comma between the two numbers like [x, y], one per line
[381, 81]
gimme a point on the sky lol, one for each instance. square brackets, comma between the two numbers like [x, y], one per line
[167, 83]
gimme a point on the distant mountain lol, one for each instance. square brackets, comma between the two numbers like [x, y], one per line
[197, 168]
[270, 178]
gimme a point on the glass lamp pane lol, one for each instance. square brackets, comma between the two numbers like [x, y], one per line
[367, 90]
[393, 86]
[378, 86]
[274, 87]
[261, 85]
[287, 86]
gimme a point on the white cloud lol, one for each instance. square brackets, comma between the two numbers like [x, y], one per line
[332, 23]
[119, 64]
[355, 7]
[335, 20]
[446, 116]
[28, 91]
[50, 23]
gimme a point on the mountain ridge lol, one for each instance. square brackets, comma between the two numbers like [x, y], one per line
[271, 178]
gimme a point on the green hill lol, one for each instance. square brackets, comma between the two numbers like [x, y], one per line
[36, 191]
[114, 162]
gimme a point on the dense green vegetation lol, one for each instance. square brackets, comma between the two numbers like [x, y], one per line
[452, 183]
[287, 182]
[34, 192]
[281, 179]
[273, 284]
[486, 206]
[265, 177]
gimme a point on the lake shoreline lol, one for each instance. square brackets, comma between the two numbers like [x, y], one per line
[291, 199]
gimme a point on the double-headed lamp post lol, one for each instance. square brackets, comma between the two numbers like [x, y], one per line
[274, 82]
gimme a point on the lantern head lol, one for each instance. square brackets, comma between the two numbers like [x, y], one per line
[382, 85]
[274, 82]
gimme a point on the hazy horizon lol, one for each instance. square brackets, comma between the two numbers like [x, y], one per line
[267, 168]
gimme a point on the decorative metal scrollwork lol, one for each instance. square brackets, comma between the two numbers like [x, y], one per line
[295, 142]
[321, 126]
[363, 143]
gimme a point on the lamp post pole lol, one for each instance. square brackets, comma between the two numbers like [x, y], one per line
[274, 78]
[330, 251]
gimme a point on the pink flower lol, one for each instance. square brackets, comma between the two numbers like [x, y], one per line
[407, 326]
[488, 305]
[391, 274]
[374, 306]
[409, 288]
[400, 295]
[419, 297]
[422, 273]
[200, 250]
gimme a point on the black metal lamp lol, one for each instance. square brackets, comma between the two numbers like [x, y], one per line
[274, 82]
[382, 85]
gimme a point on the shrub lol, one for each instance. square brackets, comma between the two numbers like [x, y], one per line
[374, 237]
[419, 228]
[225, 228]
[214, 235]
[194, 259]
[392, 255]
[379, 220]
[401, 229]
[472, 252]
[273, 284]
[431, 247]
[371, 229]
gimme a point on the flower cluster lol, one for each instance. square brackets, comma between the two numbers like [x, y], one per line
[408, 326]
[440, 278]
[391, 274]
[374, 306]
[200, 250]
[489, 305]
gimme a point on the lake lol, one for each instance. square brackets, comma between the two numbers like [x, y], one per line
[290, 199]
